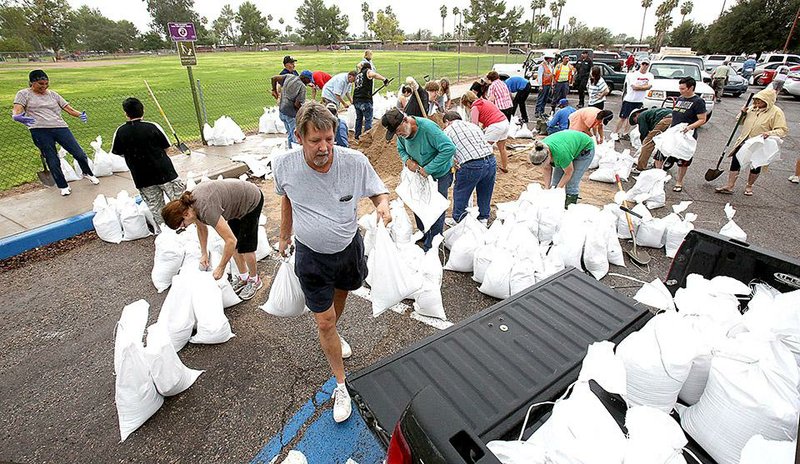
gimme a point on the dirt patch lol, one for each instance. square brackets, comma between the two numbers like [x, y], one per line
[20, 189]
[46, 252]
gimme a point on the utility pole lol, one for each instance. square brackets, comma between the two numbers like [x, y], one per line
[791, 31]
[723, 7]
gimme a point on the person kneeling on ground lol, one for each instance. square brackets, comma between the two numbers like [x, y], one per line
[476, 167]
[763, 118]
[143, 145]
[320, 186]
[570, 153]
[651, 122]
[232, 207]
[560, 120]
[590, 121]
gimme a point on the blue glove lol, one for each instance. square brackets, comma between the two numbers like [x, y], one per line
[22, 119]
[84, 117]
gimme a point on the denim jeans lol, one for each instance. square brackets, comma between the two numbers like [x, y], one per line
[542, 98]
[363, 115]
[443, 183]
[474, 175]
[45, 140]
[289, 123]
[579, 166]
[561, 90]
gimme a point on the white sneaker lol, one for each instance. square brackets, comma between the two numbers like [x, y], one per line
[485, 222]
[65, 191]
[94, 180]
[346, 350]
[794, 179]
[342, 406]
[450, 222]
[614, 136]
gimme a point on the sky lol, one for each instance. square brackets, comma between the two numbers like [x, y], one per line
[620, 16]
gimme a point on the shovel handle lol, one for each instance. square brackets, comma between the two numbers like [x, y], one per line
[630, 211]
[624, 207]
[733, 132]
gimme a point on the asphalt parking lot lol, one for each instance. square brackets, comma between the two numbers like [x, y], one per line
[60, 308]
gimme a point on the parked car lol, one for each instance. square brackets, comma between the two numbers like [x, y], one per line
[609, 58]
[712, 61]
[737, 85]
[792, 84]
[738, 62]
[665, 86]
[767, 74]
[516, 51]
[778, 58]
[641, 56]
[698, 60]
[526, 69]
[614, 80]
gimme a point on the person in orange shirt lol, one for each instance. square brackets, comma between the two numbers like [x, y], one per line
[545, 78]
[590, 121]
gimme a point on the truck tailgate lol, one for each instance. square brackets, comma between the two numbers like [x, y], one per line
[490, 367]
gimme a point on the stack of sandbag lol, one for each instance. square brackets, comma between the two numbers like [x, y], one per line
[269, 121]
[106, 221]
[390, 278]
[516, 261]
[224, 132]
[604, 150]
[649, 188]
[463, 240]
[103, 161]
[611, 163]
[69, 173]
[775, 314]
[674, 143]
[731, 229]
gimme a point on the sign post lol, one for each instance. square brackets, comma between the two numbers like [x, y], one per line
[184, 36]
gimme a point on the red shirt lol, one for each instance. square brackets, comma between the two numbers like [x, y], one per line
[319, 78]
[485, 112]
[630, 61]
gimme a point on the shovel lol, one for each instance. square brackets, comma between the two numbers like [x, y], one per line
[713, 174]
[639, 257]
[180, 145]
[45, 176]
[382, 87]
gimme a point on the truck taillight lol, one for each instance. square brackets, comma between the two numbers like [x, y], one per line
[399, 452]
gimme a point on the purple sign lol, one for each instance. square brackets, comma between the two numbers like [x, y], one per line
[182, 31]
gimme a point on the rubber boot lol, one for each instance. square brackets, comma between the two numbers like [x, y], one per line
[571, 200]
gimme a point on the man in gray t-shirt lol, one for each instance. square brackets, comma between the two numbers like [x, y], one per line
[320, 186]
[291, 98]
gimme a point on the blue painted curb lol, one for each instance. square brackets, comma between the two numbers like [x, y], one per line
[45, 235]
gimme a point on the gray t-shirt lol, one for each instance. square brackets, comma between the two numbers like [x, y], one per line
[44, 109]
[229, 198]
[324, 205]
[292, 91]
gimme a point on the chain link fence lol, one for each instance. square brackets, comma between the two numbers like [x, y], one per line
[242, 100]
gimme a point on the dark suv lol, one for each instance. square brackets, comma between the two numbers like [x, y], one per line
[610, 58]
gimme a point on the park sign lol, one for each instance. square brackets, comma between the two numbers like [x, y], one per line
[179, 32]
[187, 53]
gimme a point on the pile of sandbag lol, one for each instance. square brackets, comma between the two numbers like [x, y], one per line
[651, 231]
[270, 122]
[649, 188]
[104, 164]
[224, 132]
[610, 163]
[121, 218]
[145, 373]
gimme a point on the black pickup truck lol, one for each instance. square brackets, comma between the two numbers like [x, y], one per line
[442, 399]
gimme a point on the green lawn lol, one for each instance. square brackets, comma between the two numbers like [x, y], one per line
[233, 84]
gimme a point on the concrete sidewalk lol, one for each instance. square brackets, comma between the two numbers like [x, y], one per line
[32, 210]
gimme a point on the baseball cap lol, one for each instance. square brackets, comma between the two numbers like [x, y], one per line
[37, 74]
[634, 113]
[608, 119]
[537, 157]
[288, 59]
[307, 74]
[563, 102]
[332, 108]
[391, 120]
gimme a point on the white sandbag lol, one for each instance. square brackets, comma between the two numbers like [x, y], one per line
[517, 452]
[752, 389]
[190, 182]
[129, 329]
[635, 136]
[400, 228]
[148, 217]
[168, 372]
[758, 151]
[389, 279]
[167, 259]
[731, 229]
[452, 234]
[624, 165]
[657, 196]
[523, 275]
[267, 122]
[595, 247]
[676, 233]
[550, 206]
[621, 224]
[69, 173]
[105, 221]
[225, 132]
[523, 132]
[350, 118]
[759, 450]
[551, 262]
[118, 163]
[369, 222]
[482, 259]
[604, 367]
[229, 297]
[103, 161]
[572, 232]
[131, 218]
[653, 437]
[263, 249]
[212, 324]
[77, 167]
[676, 144]
[614, 253]
[655, 295]
[428, 299]
[645, 182]
[657, 361]
[177, 313]
[286, 298]
[470, 238]
[421, 195]
[651, 233]
[135, 394]
[497, 279]
[775, 314]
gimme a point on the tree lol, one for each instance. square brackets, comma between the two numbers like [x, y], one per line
[560, 4]
[554, 11]
[253, 27]
[321, 24]
[510, 26]
[165, 11]
[687, 34]
[542, 22]
[224, 26]
[366, 15]
[443, 14]
[485, 17]
[15, 35]
[96, 32]
[572, 22]
[645, 4]
[386, 27]
[50, 22]
[151, 41]
[686, 9]
[752, 26]
[664, 21]
[456, 12]
[536, 5]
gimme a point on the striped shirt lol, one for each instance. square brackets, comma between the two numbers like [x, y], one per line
[470, 141]
[499, 92]
[595, 90]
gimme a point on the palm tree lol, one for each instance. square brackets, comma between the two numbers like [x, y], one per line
[443, 13]
[664, 22]
[554, 9]
[536, 5]
[542, 21]
[686, 9]
[366, 15]
[456, 12]
[573, 21]
[645, 4]
[561, 4]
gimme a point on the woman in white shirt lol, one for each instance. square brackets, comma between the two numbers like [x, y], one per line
[598, 89]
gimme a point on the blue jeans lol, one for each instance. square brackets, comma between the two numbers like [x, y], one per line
[443, 183]
[474, 175]
[541, 99]
[289, 123]
[579, 166]
[561, 90]
[363, 114]
[46, 139]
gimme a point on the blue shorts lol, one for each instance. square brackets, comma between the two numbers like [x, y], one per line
[628, 107]
[320, 274]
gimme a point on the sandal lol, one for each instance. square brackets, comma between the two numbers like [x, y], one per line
[677, 188]
[724, 190]
[748, 191]
[503, 170]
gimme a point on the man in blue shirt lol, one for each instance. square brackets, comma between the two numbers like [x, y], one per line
[560, 120]
[521, 89]
[340, 137]
[748, 67]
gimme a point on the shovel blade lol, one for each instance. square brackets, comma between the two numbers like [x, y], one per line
[640, 257]
[184, 149]
[46, 178]
[713, 174]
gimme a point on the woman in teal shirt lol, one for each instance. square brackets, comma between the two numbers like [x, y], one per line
[570, 152]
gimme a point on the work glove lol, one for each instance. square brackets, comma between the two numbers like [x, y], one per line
[386, 82]
[22, 119]
[84, 117]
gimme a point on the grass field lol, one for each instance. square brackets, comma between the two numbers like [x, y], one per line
[233, 84]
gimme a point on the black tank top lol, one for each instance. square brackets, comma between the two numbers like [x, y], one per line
[362, 89]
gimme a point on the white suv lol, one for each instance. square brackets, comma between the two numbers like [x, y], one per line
[665, 86]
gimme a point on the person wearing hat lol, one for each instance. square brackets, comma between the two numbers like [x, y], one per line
[426, 150]
[290, 99]
[569, 154]
[637, 84]
[289, 66]
[560, 120]
[651, 122]
[318, 81]
[749, 67]
[545, 77]
[39, 109]
[338, 88]
[590, 121]
[341, 130]
[362, 97]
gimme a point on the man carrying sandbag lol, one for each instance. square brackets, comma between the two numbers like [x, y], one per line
[570, 153]
[426, 150]
[763, 118]
[143, 145]
[320, 186]
[651, 122]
